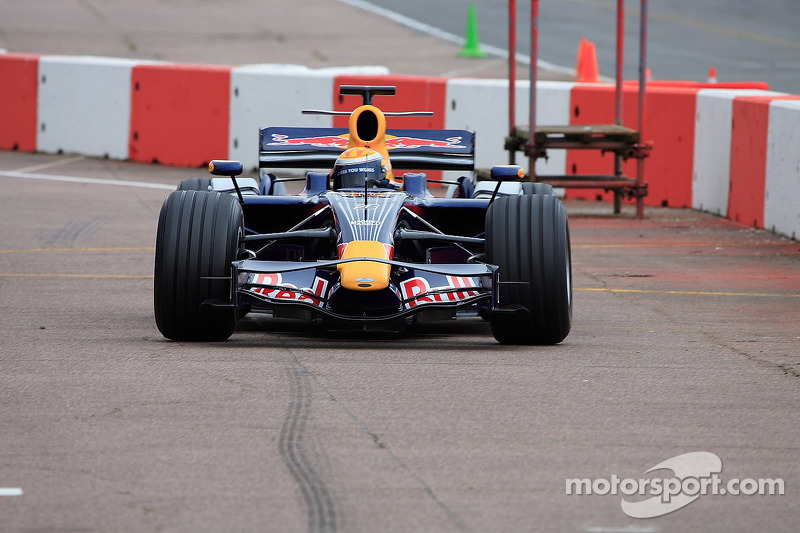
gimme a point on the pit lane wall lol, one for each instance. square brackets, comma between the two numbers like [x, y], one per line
[729, 149]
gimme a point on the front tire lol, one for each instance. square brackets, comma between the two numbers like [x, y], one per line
[537, 187]
[197, 239]
[195, 184]
[527, 237]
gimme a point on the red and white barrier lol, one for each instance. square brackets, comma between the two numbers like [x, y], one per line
[782, 195]
[712, 148]
[19, 92]
[179, 114]
[84, 105]
[482, 106]
[730, 149]
[263, 95]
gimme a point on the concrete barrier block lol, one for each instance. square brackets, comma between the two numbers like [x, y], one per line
[84, 105]
[18, 101]
[668, 123]
[180, 114]
[782, 195]
[749, 159]
[712, 148]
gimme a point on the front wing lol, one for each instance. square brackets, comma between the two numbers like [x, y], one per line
[314, 287]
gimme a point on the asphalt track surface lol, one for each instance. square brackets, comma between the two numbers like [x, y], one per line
[685, 339]
[744, 41]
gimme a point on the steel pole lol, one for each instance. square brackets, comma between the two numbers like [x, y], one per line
[642, 91]
[618, 96]
[512, 76]
[620, 59]
[534, 75]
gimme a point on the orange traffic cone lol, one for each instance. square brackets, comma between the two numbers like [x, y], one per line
[586, 67]
[712, 75]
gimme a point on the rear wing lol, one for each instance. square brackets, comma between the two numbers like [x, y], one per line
[408, 149]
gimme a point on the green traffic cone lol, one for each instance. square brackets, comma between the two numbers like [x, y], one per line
[472, 45]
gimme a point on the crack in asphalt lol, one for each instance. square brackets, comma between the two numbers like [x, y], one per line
[375, 438]
[712, 338]
[402, 464]
[321, 510]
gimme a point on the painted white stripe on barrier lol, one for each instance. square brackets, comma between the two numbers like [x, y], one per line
[782, 198]
[78, 179]
[84, 105]
[712, 148]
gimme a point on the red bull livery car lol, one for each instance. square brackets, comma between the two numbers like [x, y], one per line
[363, 246]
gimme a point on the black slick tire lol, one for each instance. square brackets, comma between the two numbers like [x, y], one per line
[536, 187]
[527, 237]
[195, 184]
[197, 239]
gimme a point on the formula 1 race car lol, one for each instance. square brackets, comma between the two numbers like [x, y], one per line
[361, 248]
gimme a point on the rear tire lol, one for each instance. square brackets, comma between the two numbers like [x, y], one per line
[195, 184]
[198, 238]
[527, 237]
[536, 187]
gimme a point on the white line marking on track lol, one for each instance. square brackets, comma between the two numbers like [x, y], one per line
[78, 179]
[626, 529]
[51, 164]
[10, 491]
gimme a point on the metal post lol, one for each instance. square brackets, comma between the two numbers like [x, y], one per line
[512, 76]
[618, 96]
[534, 74]
[642, 91]
[620, 58]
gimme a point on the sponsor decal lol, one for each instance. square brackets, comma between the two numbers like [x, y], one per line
[341, 141]
[413, 142]
[357, 170]
[327, 141]
[319, 288]
[416, 291]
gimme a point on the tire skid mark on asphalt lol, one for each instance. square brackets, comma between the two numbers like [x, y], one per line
[72, 230]
[319, 504]
[452, 515]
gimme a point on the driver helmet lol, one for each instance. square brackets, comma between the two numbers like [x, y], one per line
[357, 165]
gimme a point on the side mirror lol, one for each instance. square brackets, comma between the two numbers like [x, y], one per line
[222, 167]
[508, 173]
